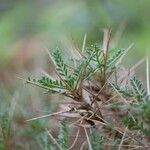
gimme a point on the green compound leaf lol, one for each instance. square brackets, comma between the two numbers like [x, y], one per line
[96, 140]
[115, 57]
[63, 138]
[140, 93]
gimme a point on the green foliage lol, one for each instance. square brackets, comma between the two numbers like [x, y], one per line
[140, 93]
[93, 64]
[96, 139]
[113, 58]
[4, 129]
[62, 68]
[132, 123]
[80, 14]
[60, 65]
[97, 62]
[115, 144]
[54, 85]
[125, 90]
[2, 141]
[96, 52]
[69, 80]
[77, 71]
[50, 85]
[146, 111]
[139, 117]
[142, 113]
[5, 125]
[46, 143]
[63, 138]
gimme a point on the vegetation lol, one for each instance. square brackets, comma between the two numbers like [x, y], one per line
[104, 98]
[94, 99]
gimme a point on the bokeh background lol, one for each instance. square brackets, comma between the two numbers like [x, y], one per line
[28, 27]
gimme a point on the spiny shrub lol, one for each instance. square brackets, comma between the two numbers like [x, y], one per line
[105, 96]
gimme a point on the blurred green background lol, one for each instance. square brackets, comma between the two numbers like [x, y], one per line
[49, 21]
[28, 27]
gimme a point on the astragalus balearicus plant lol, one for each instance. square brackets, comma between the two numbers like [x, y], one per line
[107, 101]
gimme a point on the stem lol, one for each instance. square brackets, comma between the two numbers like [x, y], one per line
[106, 41]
